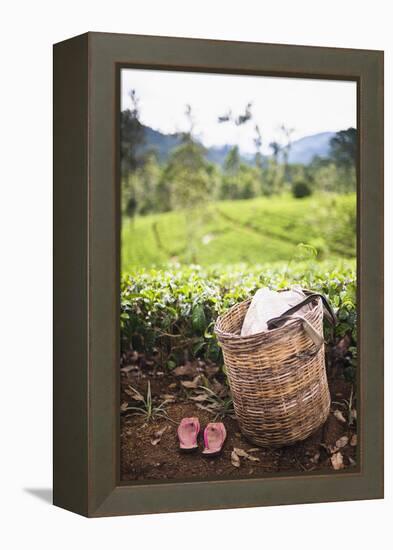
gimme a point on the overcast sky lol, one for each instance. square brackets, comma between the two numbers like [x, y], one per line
[308, 106]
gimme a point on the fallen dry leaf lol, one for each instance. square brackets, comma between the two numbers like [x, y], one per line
[124, 406]
[211, 370]
[354, 440]
[244, 454]
[209, 408]
[199, 398]
[191, 385]
[339, 415]
[219, 389]
[240, 452]
[185, 370]
[157, 436]
[134, 394]
[129, 368]
[337, 461]
[252, 458]
[235, 460]
[315, 459]
[340, 443]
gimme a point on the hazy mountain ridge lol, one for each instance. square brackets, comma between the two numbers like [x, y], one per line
[305, 149]
[302, 150]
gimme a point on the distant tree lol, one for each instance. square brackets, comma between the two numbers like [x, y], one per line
[343, 148]
[286, 149]
[146, 182]
[131, 136]
[188, 134]
[244, 117]
[187, 184]
[319, 162]
[258, 147]
[232, 161]
[273, 177]
[187, 176]
[131, 139]
[238, 120]
[276, 149]
[329, 176]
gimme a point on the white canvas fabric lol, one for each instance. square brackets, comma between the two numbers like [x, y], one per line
[267, 304]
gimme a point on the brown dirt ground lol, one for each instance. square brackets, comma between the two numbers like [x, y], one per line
[141, 460]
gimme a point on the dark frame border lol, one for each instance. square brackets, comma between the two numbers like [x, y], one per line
[86, 271]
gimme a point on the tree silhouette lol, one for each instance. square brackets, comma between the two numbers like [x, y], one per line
[245, 117]
[232, 161]
[286, 149]
[131, 140]
[131, 135]
[276, 149]
[343, 148]
[239, 119]
[258, 146]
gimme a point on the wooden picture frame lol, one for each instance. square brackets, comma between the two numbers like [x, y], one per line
[86, 271]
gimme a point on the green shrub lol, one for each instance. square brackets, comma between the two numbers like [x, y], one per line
[301, 189]
[172, 312]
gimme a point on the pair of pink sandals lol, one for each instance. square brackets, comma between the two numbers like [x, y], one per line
[214, 436]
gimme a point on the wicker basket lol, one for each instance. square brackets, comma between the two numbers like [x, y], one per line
[277, 377]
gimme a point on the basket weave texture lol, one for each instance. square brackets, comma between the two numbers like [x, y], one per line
[277, 377]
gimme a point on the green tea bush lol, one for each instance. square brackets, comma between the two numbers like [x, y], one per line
[171, 312]
[301, 189]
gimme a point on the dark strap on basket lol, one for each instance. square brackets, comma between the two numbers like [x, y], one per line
[312, 333]
[310, 330]
[328, 311]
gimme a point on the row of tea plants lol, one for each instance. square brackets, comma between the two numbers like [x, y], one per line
[171, 312]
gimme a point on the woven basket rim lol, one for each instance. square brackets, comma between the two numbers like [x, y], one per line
[265, 334]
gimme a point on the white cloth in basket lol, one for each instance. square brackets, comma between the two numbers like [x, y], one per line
[267, 304]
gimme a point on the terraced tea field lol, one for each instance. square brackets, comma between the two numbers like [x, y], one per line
[250, 231]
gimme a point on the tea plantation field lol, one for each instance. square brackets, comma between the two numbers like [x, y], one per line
[261, 230]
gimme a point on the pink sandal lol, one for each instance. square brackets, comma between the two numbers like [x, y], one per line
[214, 437]
[187, 433]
